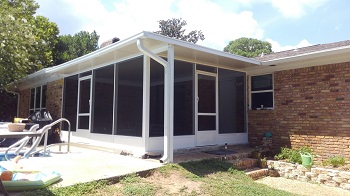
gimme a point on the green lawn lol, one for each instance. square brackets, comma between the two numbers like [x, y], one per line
[206, 177]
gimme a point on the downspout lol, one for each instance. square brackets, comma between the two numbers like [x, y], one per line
[168, 145]
[18, 99]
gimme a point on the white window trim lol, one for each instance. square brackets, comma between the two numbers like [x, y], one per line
[41, 99]
[262, 91]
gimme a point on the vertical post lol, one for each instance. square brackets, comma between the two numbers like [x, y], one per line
[168, 97]
[165, 157]
[171, 101]
[146, 101]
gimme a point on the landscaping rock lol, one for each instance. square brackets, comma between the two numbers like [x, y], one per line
[339, 179]
[331, 183]
[345, 175]
[345, 186]
[329, 177]
[324, 177]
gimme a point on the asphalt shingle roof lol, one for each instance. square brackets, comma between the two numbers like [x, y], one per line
[303, 50]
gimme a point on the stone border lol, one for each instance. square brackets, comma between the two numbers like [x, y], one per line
[329, 177]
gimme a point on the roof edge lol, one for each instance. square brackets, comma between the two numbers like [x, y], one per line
[337, 50]
[198, 47]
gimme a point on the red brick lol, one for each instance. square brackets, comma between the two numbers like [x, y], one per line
[317, 112]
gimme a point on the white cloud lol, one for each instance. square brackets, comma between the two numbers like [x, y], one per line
[276, 47]
[125, 19]
[219, 26]
[296, 8]
[288, 8]
[129, 17]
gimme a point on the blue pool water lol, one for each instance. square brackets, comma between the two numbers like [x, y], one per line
[11, 156]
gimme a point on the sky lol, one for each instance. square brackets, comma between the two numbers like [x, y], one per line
[286, 24]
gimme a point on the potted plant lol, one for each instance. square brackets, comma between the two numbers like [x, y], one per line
[256, 154]
[263, 162]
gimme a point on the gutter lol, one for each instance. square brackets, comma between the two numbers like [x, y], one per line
[96, 53]
[168, 131]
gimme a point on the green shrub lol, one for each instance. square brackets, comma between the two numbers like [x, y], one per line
[335, 161]
[293, 155]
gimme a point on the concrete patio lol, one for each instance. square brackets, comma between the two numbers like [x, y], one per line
[90, 160]
[84, 165]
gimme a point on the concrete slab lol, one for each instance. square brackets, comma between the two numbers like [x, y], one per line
[84, 165]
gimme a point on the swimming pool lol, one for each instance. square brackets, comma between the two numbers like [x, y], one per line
[10, 156]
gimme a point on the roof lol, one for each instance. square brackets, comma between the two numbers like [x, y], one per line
[127, 48]
[303, 50]
[186, 51]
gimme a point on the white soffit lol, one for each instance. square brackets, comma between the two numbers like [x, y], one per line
[195, 53]
[125, 49]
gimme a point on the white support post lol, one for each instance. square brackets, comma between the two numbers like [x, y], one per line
[168, 98]
[146, 101]
[171, 102]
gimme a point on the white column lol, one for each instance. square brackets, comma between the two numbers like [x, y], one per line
[146, 101]
[171, 101]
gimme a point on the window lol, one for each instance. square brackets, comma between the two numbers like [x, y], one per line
[37, 99]
[129, 85]
[70, 101]
[183, 99]
[231, 101]
[261, 92]
[103, 93]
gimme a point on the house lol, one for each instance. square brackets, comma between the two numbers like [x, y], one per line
[151, 93]
[306, 93]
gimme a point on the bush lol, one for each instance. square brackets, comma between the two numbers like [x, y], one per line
[335, 161]
[293, 155]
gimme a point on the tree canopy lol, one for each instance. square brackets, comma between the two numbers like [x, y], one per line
[70, 47]
[26, 40]
[29, 43]
[174, 28]
[248, 47]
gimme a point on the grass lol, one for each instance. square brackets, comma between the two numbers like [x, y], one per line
[210, 177]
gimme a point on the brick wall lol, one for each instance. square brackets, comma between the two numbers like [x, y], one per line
[54, 98]
[312, 108]
[24, 103]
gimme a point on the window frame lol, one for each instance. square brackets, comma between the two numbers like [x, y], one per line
[35, 108]
[251, 92]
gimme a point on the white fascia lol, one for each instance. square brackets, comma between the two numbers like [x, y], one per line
[333, 51]
[96, 53]
[198, 47]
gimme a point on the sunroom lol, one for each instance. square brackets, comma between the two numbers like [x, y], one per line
[151, 93]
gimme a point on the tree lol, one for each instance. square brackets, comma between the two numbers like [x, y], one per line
[173, 28]
[70, 47]
[25, 40]
[46, 32]
[248, 47]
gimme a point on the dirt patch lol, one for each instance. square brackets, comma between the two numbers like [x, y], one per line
[174, 184]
